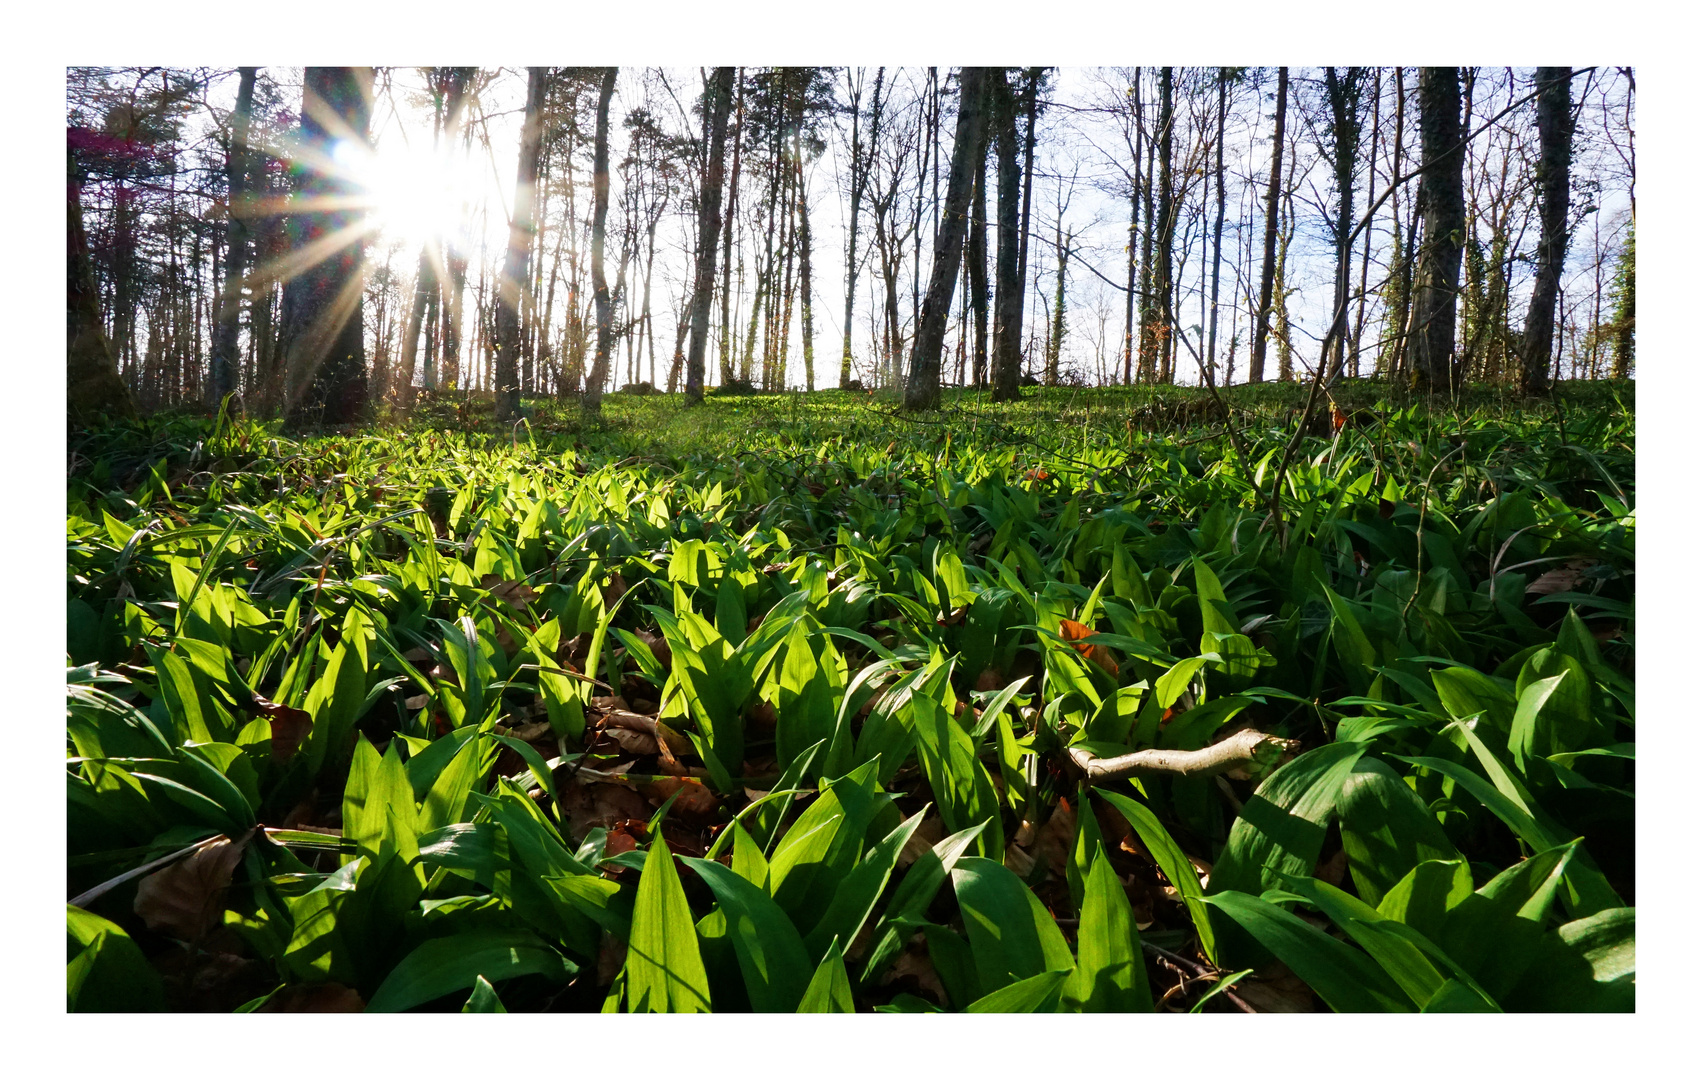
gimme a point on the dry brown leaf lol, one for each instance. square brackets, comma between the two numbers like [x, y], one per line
[1565, 578]
[1018, 861]
[290, 727]
[183, 900]
[989, 679]
[632, 742]
[1074, 632]
[323, 998]
[615, 589]
[694, 797]
[1276, 989]
[513, 593]
[914, 966]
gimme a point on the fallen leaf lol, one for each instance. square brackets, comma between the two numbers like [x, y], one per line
[290, 727]
[1018, 861]
[1561, 579]
[615, 589]
[1055, 839]
[694, 798]
[513, 593]
[927, 834]
[1276, 989]
[989, 679]
[952, 617]
[1074, 632]
[183, 899]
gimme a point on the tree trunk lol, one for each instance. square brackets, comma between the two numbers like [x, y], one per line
[1007, 274]
[1438, 279]
[92, 385]
[454, 257]
[922, 390]
[593, 399]
[516, 269]
[720, 90]
[1031, 92]
[1165, 240]
[1554, 134]
[807, 314]
[978, 258]
[1267, 277]
[726, 344]
[224, 359]
[1343, 91]
[324, 348]
[1217, 229]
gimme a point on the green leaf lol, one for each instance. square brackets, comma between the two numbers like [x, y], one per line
[1172, 683]
[378, 804]
[1035, 994]
[1110, 973]
[1177, 869]
[1344, 977]
[856, 897]
[771, 955]
[1587, 965]
[1386, 830]
[107, 972]
[1495, 933]
[483, 999]
[664, 969]
[1423, 898]
[955, 774]
[920, 884]
[458, 962]
[1010, 932]
[1280, 830]
[830, 988]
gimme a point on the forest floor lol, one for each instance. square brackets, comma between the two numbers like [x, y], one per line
[797, 702]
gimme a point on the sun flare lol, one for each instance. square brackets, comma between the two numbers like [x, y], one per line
[413, 195]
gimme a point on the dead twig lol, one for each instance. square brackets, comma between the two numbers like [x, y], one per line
[1246, 747]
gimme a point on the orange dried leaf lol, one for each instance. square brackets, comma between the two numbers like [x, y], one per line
[183, 900]
[1074, 632]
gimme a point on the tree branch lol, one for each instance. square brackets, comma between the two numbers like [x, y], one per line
[1246, 747]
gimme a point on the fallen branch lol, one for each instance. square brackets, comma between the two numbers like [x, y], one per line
[1246, 747]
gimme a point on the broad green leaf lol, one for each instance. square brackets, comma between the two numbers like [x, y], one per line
[107, 971]
[856, 896]
[771, 955]
[456, 963]
[1344, 977]
[1423, 898]
[955, 774]
[1110, 973]
[830, 988]
[1587, 965]
[1180, 872]
[1035, 994]
[664, 969]
[1386, 830]
[1280, 830]
[1011, 933]
[483, 999]
[1495, 932]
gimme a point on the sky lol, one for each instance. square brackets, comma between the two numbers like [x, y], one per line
[1079, 154]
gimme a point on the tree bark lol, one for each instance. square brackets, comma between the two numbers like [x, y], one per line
[516, 269]
[224, 359]
[92, 385]
[1217, 229]
[922, 390]
[1554, 134]
[1007, 274]
[1437, 283]
[1267, 277]
[325, 348]
[593, 399]
[977, 256]
[1343, 91]
[1165, 240]
[720, 90]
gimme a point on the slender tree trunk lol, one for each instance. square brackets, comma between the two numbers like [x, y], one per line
[1438, 280]
[720, 90]
[807, 317]
[726, 349]
[1370, 191]
[1007, 276]
[224, 359]
[1267, 277]
[1554, 133]
[978, 258]
[1217, 229]
[922, 390]
[1343, 91]
[517, 270]
[593, 399]
[860, 166]
[325, 344]
[1167, 213]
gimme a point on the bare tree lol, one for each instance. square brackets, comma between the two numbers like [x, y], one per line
[1554, 131]
[922, 391]
[517, 266]
[1437, 282]
[1267, 276]
[718, 101]
[593, 399]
